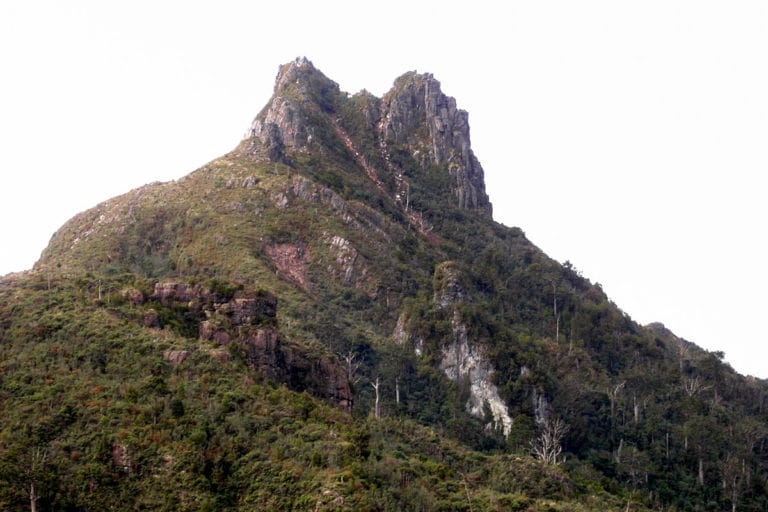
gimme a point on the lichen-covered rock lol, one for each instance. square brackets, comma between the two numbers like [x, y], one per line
[249, 182]
[345, 257]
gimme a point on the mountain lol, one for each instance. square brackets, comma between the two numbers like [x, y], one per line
[328, 318]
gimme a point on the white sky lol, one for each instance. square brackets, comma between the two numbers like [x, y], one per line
[626, 137]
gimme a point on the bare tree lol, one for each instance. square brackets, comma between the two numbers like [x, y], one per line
[547, 447]
[613, 395]
[694, 386]
[37, 460]
[352, 365]
[376, 410]
[734, 479]
[557, 315]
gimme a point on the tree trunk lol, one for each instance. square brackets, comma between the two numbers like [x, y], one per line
[701, 471]
[557, 317]
[375, 386]
[636, 408]
[32, 497]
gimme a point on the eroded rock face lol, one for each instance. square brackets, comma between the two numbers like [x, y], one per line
[403, 337]
[176, 356]
[247, 310]
[247, 323]
[324, 377]
[416, 103]
[345, 259]
[463, 359]
[224, 321]
[292, 262]
[414, 115]
[447, 286]
[169, 293]
[151, 319]
[285, 123]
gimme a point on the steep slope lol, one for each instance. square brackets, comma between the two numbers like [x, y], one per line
[345, 252]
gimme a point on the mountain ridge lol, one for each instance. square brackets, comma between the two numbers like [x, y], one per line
[344, 254]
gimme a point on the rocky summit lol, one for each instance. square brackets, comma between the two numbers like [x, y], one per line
[328, 318]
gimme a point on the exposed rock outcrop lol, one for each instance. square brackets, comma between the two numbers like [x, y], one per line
[402, 336]
[415, 115]
[447, 286]
[168, 293]
[461, 359]
[285, 121]
[346, 266]
[323, 376]
[176, 356]
[247, 322]
[464, 360]
[292, 262]
[247, 310]
[416, 103]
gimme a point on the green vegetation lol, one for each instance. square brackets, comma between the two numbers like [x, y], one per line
[222, 343]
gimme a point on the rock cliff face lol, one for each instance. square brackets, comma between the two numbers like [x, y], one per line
[286, 120]
[416, 104]
[266, 353]
[246, 321]
[415, 115]
[461, 358]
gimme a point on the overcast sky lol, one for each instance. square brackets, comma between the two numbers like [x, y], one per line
[629, 138]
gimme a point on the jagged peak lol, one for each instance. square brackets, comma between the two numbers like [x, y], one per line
[303, 77]
[416, 101]
[284, 122]
[297, 64]
[414, 115]
[411, 79]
